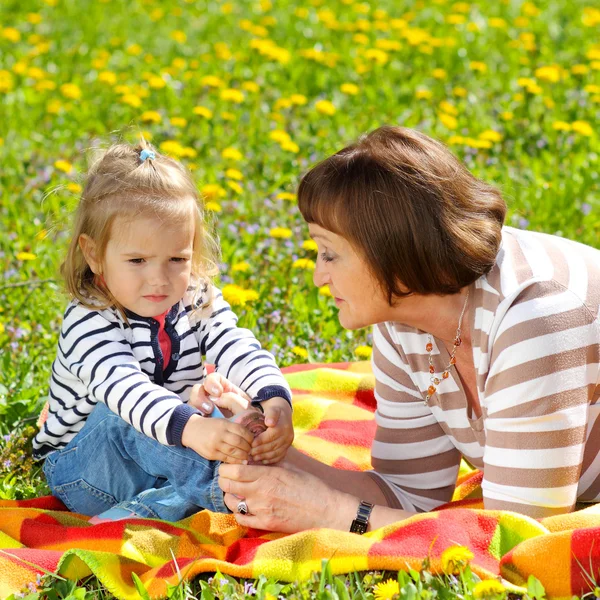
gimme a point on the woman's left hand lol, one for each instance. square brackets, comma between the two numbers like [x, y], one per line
[279, 499]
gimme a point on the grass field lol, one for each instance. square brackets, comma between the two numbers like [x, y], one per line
[249, 94]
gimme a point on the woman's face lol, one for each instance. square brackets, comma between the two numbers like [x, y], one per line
[358, 296]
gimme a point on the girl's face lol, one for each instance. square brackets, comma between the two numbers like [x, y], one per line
[358, 296]
[147, 264]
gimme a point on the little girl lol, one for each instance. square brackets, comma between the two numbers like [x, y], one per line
[122, 438]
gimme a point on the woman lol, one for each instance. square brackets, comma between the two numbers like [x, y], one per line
[486, 345]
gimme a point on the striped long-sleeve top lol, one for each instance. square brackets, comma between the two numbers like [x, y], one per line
[535, 339]
[102, 357]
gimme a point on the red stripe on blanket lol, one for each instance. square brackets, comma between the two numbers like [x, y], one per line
[45, 503]
[585, 559]
[244, 550]
[358, 433]
[463, 527]
[365, 399]
[44, 559]
[345, 465]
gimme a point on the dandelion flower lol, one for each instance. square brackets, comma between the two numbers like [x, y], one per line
[235, 186]
[363, 352]
[107, 77]
[178, 121]
[24, 256]
[310, 245]
[241, 267]
[74, 188]
[301, 352]
[325, 107]
[290, 146]
[238, 296]
[63, 165]
[213, 190]
[151, 116]
[582, 127]
[213, 206]
[231, 95]
[279, 135]
[448, 120]
[280, 233]
[234, 174]
[286, 196]
[349, 88]
[561, 126]
[387, 590]
[491, 135]
[232, 154]
[487, 588]
[298, 99]
[11, 34]
[454, 558]
[439, 73]
[71, 91]
[202, 111]
[304, 263]
[325, 291]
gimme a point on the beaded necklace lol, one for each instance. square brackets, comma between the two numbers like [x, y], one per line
[433, 380]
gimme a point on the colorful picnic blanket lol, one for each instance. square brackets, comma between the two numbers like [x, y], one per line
[333, 416]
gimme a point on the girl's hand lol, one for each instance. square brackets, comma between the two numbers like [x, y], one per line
[282, 500]
[218, 439]
[271, 446]
[216, 389]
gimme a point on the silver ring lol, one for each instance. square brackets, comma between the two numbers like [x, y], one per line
[242, 507]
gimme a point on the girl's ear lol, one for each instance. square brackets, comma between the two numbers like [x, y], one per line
[89, 250]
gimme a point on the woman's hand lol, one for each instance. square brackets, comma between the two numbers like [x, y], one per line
[282, 500]
[271, 446]
[218, 439]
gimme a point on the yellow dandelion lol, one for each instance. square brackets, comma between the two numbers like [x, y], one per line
[325, 291]
[227, 116]
[250, 86]
[448, 108]
[349, 88]
[132, 100]
[11, 34]
[561, 126]
[487, 588]
[211, 191]
[507, 115]
[2, 329]
[491, 135]
[178, 121]
[448, 120]
[202, 111]
[107, 77]
[74, 188]
[279, 135]
[455, 19]
[235, 186]
[134, 49]
[24, 256]
[386, 590]
[234, 295]
[63, 165]
[592, 89]
[497, 23]
[282, 103]
[286, 196]
[41, 234]
[232, 154]
[280, 232]
[363, 352]
[290, 146]
[455, 558]
[461, 92]
[582, 127]
[179, 36]
[550, 73]
[439, 73]
[298, 99]
[188, 152]
[325, 107]
[241, 267]
[579, 69]
[475, 65]
[378, 56]
[301, 352]
[172, 148]
[423, 94]
[232, 95]
[361, 38]
[456, 140]
[53, 107]
[213, 207]
[71, 91]
[234, 174]
[212, 81]
[305, 264]
[310, 245]
[151, 116]
[156, 82]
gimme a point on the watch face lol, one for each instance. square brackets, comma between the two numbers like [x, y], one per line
[358, 527]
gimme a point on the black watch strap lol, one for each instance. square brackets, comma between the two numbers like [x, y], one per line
[361, 522]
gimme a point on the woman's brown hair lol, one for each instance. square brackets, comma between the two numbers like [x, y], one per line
[124, 183]
[416, 214]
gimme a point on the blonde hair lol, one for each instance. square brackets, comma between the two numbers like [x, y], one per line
[120, 184]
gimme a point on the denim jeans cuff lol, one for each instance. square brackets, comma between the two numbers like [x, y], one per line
[216, 493]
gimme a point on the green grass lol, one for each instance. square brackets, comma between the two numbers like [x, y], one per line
[139, 66]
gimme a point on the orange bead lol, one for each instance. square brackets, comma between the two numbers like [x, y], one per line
[429, 347]
[453, 361]
[431, 369]
[436, 381]
[457, 341]
[445, 375]
[430, 390]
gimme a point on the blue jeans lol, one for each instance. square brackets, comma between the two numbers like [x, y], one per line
[109, 462]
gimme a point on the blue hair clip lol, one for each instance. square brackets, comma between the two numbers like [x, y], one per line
[144, 154]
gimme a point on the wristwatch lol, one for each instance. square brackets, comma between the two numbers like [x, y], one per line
[361, 522]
